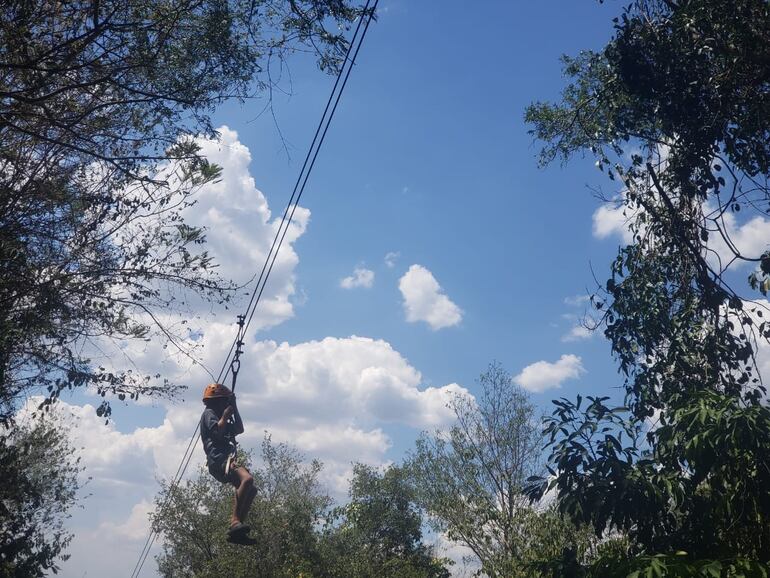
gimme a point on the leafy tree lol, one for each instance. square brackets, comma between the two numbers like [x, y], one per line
[99, 101]
[193, 520]
[40, 471]
[379, 532]
[677, 109]
[471, 479]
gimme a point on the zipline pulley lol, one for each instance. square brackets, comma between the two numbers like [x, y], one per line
[235, 364]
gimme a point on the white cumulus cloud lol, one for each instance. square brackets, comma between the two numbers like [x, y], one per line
[391, 258]
[335, 399]
[577, 333]
[611, 219]
[239, 232]
[542, 375]
[750, 238]
[576, 300]
[361, 277]
[136, 527]
[424, 299]
[759, 311]
[240, 228]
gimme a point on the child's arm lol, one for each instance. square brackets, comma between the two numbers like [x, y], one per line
[222, 423]
[238, 421]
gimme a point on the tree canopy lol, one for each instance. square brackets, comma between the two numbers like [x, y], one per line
[677, 109]
[192, 520]
[377, 533]
[99, 104]
[471, 479]
[40, 470]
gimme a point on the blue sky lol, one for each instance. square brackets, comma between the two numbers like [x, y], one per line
[428, 158]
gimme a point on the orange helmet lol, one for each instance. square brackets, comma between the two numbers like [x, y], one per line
[214, 390]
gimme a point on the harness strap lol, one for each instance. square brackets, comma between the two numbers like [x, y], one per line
[229, 463]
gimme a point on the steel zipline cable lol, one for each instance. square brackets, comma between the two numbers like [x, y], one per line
[245, 319]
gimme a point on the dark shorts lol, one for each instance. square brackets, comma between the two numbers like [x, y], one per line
[217, 469]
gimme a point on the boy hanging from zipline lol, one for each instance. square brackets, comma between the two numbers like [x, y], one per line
[218, 436]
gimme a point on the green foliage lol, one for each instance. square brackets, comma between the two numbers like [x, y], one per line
[677, 109]
[670, 66]
[193, 520]
[379, 532]
[39, 472]
[470, 480]
[678, 565]
[99, 101]
[716, 507]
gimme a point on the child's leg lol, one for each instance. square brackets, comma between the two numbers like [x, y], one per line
[244, 513]
[234, 517]
[243, 493]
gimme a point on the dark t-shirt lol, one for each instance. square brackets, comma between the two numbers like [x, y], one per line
[216, 443]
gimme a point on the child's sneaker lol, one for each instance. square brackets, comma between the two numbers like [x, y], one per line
[241, 538]
[238, 528]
